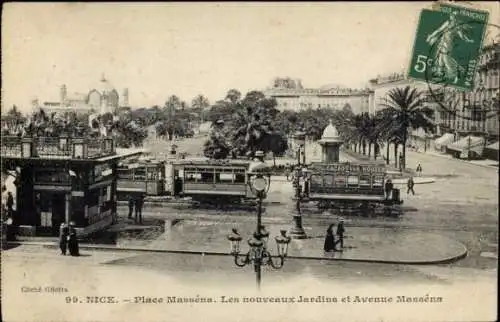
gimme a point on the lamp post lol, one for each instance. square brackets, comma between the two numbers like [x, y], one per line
[259, 255]
[298, 231]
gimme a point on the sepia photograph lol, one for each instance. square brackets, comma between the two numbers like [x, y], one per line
[250, 161]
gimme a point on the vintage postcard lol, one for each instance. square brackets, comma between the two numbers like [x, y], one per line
[250, 161]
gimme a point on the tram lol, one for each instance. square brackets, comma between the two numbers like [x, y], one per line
[212, 181]
[146, 177]
[203, 180]
[349, 185]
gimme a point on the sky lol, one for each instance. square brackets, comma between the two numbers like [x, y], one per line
[185, 49]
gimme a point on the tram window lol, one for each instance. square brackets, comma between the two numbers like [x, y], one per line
[224, 178]
[352, 181]
[207, 177]
[340, 181]
[192, 177]
[239, 178]
[140, 174]
[378, 182]
[364, 181]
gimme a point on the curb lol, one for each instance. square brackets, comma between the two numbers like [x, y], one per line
[448, 260]
[405, 180]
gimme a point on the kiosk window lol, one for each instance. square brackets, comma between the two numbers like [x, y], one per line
[140, 174]
[125, 174]
[316, 180]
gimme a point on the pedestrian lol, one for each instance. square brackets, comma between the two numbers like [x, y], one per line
[73, 241]
[130, 206]
[10, 204]
[330, 239]
[388, 189]
[410, 184]
[340, 233]
[419, 170]
[138, 208]
[63, 238]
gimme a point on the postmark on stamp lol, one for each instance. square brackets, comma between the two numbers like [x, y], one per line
[447, 46]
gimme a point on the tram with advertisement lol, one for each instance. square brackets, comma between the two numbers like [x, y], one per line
[349, 186]
[203, 180]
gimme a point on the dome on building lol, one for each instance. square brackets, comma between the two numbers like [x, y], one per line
[104, 86]
[330, 134]
[330, 131]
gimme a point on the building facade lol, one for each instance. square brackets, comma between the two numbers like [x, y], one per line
[476, 112]
[102, 98]
[383, 84]
[291, 95]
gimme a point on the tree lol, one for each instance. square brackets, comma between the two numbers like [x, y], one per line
[200, 103]
[406, 107]
[216, 147]
[233, 95]
[173, 103]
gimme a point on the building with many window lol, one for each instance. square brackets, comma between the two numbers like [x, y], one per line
[290, 95]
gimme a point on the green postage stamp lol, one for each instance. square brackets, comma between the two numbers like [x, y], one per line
[447, 45]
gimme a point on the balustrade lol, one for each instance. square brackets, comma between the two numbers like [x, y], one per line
[56, 148]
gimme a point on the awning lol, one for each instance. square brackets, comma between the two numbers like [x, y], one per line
[446, 139]
[493, 146]
[468, 143]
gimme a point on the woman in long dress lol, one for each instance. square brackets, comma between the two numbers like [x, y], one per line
[73, 242]
[330, 239]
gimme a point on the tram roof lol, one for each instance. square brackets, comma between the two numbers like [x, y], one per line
[211, 162]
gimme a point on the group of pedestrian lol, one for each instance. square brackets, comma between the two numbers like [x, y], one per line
[68, 240]
[135, 203]
[330, 241]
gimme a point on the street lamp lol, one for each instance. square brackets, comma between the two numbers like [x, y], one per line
[258, 254]
[298, 231]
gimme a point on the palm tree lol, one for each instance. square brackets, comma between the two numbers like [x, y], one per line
[406, 107]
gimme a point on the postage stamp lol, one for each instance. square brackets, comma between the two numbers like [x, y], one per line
[447, 46]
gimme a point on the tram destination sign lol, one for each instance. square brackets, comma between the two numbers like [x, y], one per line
[352, 168]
